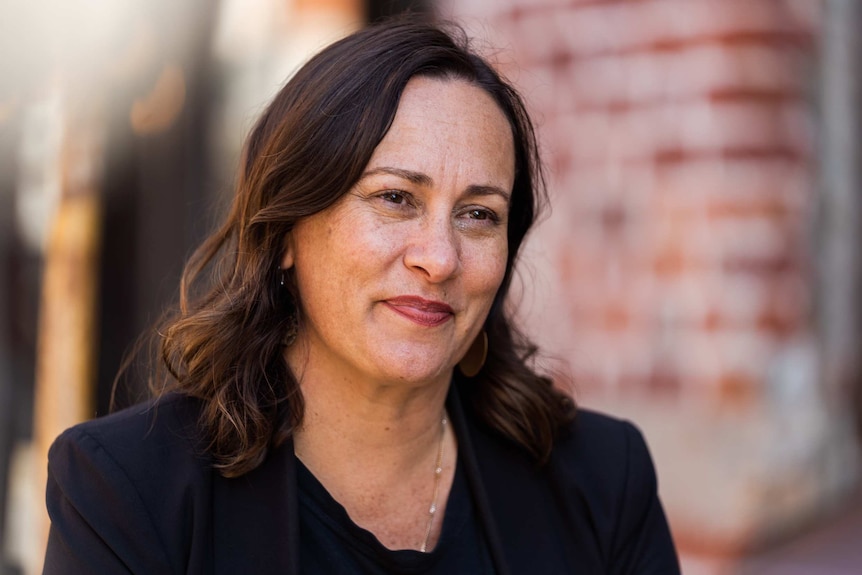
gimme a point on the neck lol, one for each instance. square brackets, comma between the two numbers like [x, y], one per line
[393, 425]
[375, 446]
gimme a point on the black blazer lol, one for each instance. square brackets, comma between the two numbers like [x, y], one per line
[133, 493]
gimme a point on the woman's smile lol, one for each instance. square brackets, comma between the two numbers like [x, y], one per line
[421, 311]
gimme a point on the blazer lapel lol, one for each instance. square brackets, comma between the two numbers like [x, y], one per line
[255, 518]
[513, 496]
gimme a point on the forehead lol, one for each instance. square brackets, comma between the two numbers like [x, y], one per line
[444, 123]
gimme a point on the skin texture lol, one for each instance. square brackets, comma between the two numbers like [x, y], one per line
[396, 280]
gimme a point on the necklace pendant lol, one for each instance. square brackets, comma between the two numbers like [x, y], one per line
[438, 471]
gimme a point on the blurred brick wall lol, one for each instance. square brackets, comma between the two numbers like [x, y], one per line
[674, 276]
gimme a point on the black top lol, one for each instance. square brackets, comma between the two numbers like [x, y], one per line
[134, 492]
[331, 543]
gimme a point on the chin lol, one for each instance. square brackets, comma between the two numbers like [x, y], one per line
[417, 364]
[419, 374]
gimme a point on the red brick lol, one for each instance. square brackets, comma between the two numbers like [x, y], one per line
[689, 296]
[714, 321]
[779, 325]
[671, 133]
[538, 24]
[650, 76]
[746, 352]
[739, 299]
[664, 379]
[689, 354]
[742, 124]
[670, 261]
[599, 28]
[736, 390]
[754, 239]
[763, 267]
[772, 208]
[741, 180]
[586, 136]
[637, 25]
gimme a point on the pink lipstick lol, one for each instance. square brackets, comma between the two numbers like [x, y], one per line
[419, 310]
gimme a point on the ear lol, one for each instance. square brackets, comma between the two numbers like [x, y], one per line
[288, 252]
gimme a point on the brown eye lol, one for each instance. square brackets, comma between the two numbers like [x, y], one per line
[393, 197]
[483, 216]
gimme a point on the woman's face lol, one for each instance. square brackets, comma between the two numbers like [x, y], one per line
[397, 278]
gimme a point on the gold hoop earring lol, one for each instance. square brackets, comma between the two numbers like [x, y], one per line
[292, 330]
[474, 360]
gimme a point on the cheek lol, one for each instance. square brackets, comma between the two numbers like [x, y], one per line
[485, 269]
[343, 255]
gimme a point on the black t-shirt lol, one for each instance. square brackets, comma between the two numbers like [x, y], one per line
[331, 543]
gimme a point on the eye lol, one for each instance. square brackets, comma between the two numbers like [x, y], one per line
[482, 214]
[394, 197]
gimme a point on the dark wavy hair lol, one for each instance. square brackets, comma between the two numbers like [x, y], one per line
[224, 345]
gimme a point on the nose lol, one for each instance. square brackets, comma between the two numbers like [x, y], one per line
[434, 250]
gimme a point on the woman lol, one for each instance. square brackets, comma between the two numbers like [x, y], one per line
[345, 390]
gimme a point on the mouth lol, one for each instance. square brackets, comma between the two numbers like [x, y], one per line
[421, 311]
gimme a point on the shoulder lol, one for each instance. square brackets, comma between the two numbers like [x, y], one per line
[605, 442]
[161, 429]
[127, 487]
[146, 448]
[607, 460]
[605, 470]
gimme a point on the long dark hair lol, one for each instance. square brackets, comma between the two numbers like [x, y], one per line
[225, 343]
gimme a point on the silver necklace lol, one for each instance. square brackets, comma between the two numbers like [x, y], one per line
[438, 471]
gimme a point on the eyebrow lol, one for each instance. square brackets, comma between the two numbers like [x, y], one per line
[421, 179]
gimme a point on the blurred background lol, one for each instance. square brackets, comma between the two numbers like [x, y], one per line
[699, 272]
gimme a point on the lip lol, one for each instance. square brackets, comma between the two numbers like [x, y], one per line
[419, 310]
